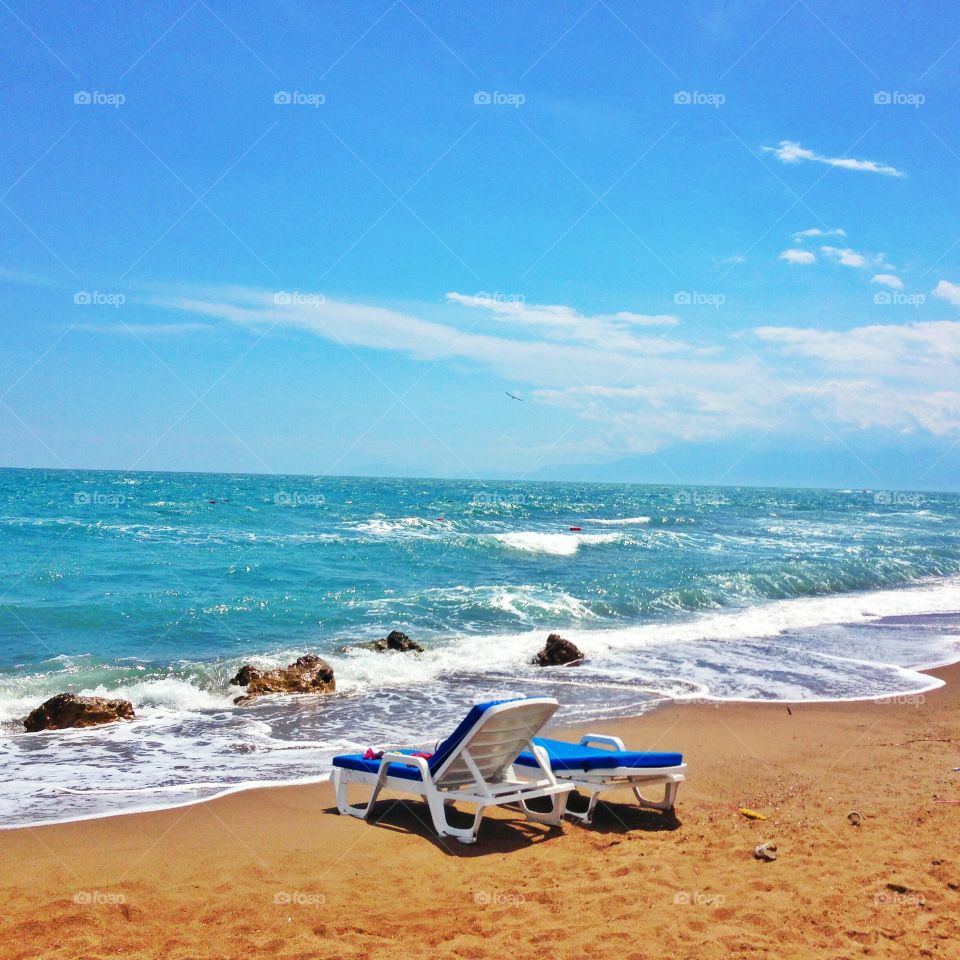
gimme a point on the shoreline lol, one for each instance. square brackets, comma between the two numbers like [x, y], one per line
[561, 730]
[275, 871]
[229, 789]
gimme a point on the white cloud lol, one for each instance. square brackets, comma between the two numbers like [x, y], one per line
[948, 291]
[564, 324]
[801, 235]
[850, 258]
[928, 351]
[888, 280]
[886, 376]
[846, 256]
[632, 391]
[788, 151]
[798, 256]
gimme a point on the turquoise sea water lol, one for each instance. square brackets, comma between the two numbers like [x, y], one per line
[156, 587]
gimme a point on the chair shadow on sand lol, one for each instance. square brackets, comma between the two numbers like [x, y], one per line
[507, 834]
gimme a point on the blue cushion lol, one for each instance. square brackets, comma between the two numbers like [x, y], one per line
[356, 761]
[573, 756]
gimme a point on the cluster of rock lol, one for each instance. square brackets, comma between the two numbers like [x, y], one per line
[559, 653]
[69, 710]
[308, 674]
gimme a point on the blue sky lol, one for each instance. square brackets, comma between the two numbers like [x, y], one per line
[714, 242]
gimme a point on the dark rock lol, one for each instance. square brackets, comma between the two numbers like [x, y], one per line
[559, 652]
[68, 710]
[308, 674]
[245, 674]
[396, 640]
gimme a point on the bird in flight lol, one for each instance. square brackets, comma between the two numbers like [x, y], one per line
[512, 397]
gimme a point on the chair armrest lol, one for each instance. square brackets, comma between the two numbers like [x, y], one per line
[419, 762]
[543, 758]
[598, 739]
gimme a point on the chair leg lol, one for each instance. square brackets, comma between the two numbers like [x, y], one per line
[669, 797]
[346, 808]
[558, 807]
[438, 814]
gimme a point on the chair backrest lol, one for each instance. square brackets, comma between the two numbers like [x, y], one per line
[493, 734]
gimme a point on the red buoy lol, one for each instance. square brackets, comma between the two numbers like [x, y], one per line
[576, 529]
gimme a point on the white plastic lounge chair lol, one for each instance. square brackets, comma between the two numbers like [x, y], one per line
[474, 764]
[595, 770]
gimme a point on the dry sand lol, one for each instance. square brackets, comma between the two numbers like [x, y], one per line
[277, 873]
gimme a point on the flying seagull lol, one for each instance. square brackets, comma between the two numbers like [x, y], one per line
[512, 397]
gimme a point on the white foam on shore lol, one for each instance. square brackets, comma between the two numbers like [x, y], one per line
[191, 743]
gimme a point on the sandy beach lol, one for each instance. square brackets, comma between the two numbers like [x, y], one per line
[278, 873]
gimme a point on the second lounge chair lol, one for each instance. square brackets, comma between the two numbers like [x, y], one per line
[595, 770]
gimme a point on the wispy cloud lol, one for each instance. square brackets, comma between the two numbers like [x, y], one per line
[920, 348]
[657, 390]
[798, 256]
[860, 261]
[888, 280]
[802, 235]
[564, 324]
[891, 377]
[846, 257]
[789, 151]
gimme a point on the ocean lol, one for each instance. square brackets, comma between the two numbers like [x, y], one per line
[156, 587]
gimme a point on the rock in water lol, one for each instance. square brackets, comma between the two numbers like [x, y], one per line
[309, 674]
[399, 641]
[68, 710]
[558, 652]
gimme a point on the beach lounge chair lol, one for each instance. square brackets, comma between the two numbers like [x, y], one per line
[474, 764]
[600, 763]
